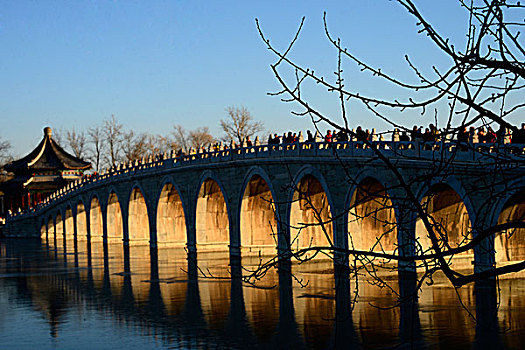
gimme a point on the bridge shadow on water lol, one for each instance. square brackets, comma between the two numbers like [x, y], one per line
[162, 296]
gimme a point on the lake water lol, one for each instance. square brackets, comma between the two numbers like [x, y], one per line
[96, 297]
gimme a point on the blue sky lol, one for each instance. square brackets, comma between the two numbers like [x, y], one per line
[155, 63]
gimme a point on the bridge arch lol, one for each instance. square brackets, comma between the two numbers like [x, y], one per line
[114, 220]
[456, 186]
[43, 228]
[95, 219]
[511, 189]
[171, 214]
[212, 214]
[452, 213]
[258, 224]
[371, 215]
[510, 244]
[50, 227]
[310, 211]
[138, 219]
[69, 224]
[81, 215]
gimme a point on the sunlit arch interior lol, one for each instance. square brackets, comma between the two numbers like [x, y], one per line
[450, 219]
[371, 218]
[82, 234]
[510, 244]
[95, 220]
[258, 223]
[114, 219]
[69, 227]
[212, 224]
[69, 223]
[310, 216]
[138, 218]
[43, 229]
[171, 222]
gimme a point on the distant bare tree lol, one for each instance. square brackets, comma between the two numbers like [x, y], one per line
[200, 137]
[239, 124]
[76, 142]
[134, 145]
[57, 136]
[5, 147]
[180, 137]
[97, 147]
[157, 144]
[186, 139]
[113, 139]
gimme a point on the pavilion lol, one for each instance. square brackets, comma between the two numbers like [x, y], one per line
[26, 182]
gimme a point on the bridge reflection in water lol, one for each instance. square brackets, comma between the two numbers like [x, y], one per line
[158, 293]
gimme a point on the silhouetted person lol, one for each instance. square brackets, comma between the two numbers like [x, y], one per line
[482, 136]
[360, 134]
[463, 135]
[309, 136]
[500, 134]
[491, 136]
[471, 133]
[342, 136]
[289, 138]
[415, 134]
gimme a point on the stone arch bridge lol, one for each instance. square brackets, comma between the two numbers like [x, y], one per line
[267, 198]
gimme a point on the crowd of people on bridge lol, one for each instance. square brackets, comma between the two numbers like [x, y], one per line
[417, 134]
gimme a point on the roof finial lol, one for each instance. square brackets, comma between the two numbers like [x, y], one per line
[47, 131]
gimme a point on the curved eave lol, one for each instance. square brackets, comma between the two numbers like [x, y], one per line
[83, 165]
[65, 160]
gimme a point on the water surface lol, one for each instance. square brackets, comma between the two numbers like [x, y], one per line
[96, 296]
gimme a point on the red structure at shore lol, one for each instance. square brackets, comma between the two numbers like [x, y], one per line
[29, 180]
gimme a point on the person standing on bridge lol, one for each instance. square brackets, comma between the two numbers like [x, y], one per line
[309, 136]
[463, 135]
[491, 136]
[328, 136]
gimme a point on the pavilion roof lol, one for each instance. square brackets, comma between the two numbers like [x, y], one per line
[48, 155]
